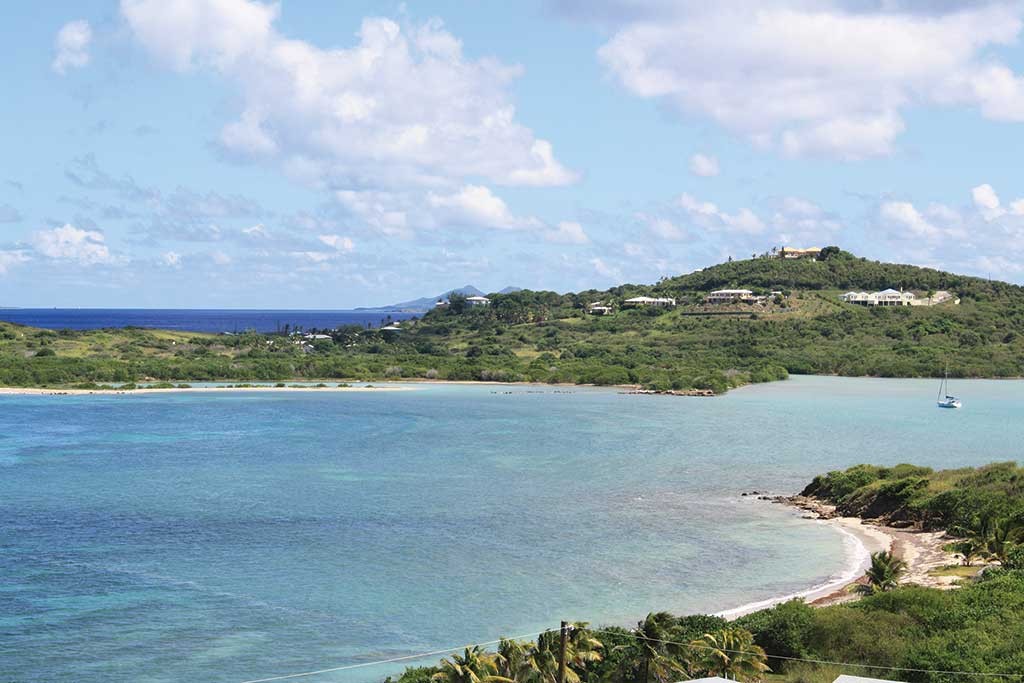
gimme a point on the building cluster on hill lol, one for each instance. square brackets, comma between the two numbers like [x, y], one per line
[743, 296]
[892, 297]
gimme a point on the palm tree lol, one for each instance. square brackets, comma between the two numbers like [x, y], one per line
[885, 572]
[660, 657]
[729, 653]
[474, 666]
[583, 648]
[514, 659]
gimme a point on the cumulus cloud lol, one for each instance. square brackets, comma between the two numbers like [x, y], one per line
[403, 105]
[703, 165]
[72, 46]
[800, 221]
[982, 237]
[708, 215]
[605, 270]
[828, 77]
[11, 257]
[69, 243]
[567, 232]
[905, 215]
[338, 242]
[987, 202]
[476, 205]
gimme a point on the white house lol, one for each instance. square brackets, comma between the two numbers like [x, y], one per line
[650, 301]
[795, 252]
[887, 297]
[722, 296]
[477, 301]
[599, 308]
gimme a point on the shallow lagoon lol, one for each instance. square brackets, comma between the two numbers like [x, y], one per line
[230, 536]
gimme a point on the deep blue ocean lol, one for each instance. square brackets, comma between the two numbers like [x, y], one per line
[229, 536]
[193, 320]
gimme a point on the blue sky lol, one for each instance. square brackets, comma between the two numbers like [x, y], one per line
[235, 153]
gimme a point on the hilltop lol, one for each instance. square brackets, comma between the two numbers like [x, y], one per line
[792, 322]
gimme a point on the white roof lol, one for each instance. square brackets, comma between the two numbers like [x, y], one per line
[732, 291]
[889, 291]
[845, 678]
[477, 298]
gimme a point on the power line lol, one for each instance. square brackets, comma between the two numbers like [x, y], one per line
[807, 660]
[630, 634]
[394, 659]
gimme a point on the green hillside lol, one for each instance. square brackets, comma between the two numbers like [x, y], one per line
[549, 337]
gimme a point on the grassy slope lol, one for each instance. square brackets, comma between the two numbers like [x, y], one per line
[545, 337]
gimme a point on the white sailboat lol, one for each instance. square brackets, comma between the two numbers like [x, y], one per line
[945, 399]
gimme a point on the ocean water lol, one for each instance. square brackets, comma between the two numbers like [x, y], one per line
[192, 320]
[235, 536]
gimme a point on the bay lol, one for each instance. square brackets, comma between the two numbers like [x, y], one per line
[230, 536]
[195, 320]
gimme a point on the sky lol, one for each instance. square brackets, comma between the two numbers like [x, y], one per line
[249, 154]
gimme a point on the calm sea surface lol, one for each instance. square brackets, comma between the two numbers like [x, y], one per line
[192, 320]
[233, 536]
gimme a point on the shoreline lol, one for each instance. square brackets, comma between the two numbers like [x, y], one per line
[38, 391]
[922, 551]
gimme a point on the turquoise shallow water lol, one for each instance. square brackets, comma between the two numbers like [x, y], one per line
[231, 536]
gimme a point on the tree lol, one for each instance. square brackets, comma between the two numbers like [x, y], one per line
[514, 659]
[730, 653]
[456, 302]
[885, 572]
[474, 666]
[661, 656]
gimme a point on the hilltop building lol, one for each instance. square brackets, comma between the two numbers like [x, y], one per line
[641, 301]
[599, 308]
[725, 296]
[797, 252]
[891, 297]
[477, 301]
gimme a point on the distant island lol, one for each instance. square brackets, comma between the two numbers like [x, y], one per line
[755, 320]
[427, 303]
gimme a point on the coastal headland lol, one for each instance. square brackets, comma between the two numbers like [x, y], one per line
[790, 316]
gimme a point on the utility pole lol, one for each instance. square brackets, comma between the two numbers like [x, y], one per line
[561, 651]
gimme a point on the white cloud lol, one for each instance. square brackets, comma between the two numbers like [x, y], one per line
[605, 270]
[338, 242]
[802, 222]
[476, 205]
[402, 107]
[567, 232]
[905, 215]
[820, 77]
[171, 259]
[662, 227]
[703, 165]
[72, 46]
[985, 197]
[11, 257]
[707, 215]
[69, 243]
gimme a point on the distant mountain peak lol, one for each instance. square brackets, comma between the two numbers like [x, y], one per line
[426, 303]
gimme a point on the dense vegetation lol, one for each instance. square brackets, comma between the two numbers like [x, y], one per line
[983, 506]
[901, 632]
[976, 628]
[548, 337]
